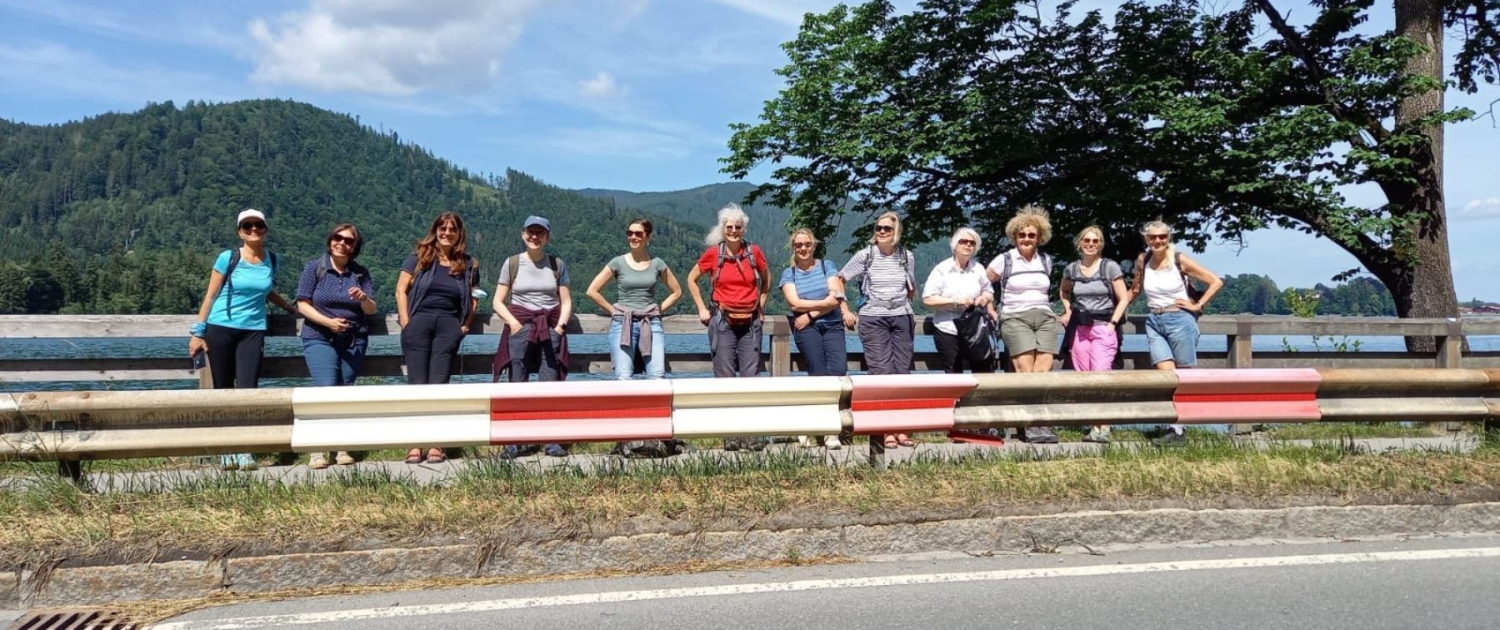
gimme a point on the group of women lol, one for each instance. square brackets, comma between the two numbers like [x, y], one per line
[438, 293]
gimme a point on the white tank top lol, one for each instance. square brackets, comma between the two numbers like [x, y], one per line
[1164, 287]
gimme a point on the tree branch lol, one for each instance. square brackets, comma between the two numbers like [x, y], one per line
[1321, 75]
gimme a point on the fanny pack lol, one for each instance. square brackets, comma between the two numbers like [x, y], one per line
[738, 318]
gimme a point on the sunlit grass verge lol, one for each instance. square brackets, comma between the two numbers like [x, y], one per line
[45, 517]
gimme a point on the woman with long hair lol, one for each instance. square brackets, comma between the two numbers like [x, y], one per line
[739, 285]
[231, 325]
[435, 307]
[333, 296]
[1164, 275]
[1094, 299]
[811, 288]
[885, 320]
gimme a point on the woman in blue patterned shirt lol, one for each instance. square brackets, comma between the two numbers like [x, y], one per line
[334, 298]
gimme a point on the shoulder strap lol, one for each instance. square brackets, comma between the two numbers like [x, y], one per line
[512, 270]
[228, 288]
[556, 268]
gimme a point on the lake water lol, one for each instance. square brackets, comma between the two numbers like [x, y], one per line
[97, 348]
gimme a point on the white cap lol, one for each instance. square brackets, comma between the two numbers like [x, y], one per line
[249, 213]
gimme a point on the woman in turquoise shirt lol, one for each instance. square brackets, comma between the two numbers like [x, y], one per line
[231, 324]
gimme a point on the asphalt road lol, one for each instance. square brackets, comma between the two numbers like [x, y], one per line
[1445, 583]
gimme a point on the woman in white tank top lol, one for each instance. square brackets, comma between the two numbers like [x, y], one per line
[1172, 327]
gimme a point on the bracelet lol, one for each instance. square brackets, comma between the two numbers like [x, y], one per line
[198, 329]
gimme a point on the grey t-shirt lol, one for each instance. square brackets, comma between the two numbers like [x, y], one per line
[536, 285]
[637, 288]
[1093, 294]
[887, 280]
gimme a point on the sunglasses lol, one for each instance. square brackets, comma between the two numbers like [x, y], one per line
[636, 233]
[802, 245]
[882, 229]
[967, 241]
[1091, 240]
[1030, 235]
[346, 240]
[253, 225]
[734, 228]
[1156, 237]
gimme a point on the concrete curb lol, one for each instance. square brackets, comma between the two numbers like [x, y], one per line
[186, 579]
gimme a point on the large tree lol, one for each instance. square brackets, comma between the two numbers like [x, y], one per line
[1220, 123]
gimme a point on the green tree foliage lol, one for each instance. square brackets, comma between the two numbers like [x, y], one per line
[965, 109]
[124, 213]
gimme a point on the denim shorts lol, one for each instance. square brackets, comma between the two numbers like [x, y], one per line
[1173, 336]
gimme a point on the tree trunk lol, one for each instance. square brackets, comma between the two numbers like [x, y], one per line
[1428, 287]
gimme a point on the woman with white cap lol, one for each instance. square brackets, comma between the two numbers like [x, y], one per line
[231, 327]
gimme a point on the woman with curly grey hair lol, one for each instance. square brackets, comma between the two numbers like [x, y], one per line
[1023, 281]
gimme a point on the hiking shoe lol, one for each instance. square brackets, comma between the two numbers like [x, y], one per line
[556, 450]
[731, 445]
[1040, 435]
[759, 443]
[343, 459]
[1096, 436]
[318, 461]
[832, 443]
[1171, 439]
[246, 461]
[228, 462]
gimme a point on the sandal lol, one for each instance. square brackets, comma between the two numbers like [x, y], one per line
[890, 442]
[436, 456]
[414, 456]
[904, 440]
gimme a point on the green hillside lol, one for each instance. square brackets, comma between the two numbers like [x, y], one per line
[122, 213]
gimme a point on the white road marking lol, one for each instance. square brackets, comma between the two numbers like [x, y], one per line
[346, 616]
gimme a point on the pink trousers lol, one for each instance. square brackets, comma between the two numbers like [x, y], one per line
[1094, 348]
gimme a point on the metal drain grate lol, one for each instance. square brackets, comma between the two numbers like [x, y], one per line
[73, 619]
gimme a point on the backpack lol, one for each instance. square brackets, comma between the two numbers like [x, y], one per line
[515, 268]
[234, 261]
[906, 265]
[734, 318]
[1005, 273]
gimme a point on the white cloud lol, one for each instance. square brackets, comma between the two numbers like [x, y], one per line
[159, 26]
[1483, 208]
[390, 47]
[601, 87]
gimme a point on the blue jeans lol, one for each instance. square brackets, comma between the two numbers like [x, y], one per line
[624, 358]
[1173, 336]
[823, 347]
[336, 362]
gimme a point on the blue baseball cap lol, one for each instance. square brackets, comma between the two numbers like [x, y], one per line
[536, 220]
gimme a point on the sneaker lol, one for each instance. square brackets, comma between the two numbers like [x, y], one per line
[731, 445]
[318, 461]
[228, 462]
[1097, 436]
[1171, 439]
[556, 450]
[759, 443]
[1040, 435]
[246, 461]
[832, 443]
[344, 459]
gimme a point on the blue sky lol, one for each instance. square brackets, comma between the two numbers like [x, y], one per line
[629, 94]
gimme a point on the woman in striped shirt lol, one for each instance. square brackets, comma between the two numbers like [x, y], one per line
[885, 322]
[812, 289]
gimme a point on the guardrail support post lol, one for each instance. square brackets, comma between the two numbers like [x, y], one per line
[1450, 355]
[781, 346]
[877, 453]
[1241, 356]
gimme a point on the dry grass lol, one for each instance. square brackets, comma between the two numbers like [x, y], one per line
[493, 499]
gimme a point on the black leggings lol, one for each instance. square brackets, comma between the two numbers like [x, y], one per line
[234, 356]
[429, 343]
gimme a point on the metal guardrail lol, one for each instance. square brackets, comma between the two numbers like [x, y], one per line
[1240, 332]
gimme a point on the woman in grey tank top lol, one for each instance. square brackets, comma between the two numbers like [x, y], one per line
[635, 315]
[1094, 301]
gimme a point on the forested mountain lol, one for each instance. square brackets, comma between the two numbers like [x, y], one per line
[123, 213]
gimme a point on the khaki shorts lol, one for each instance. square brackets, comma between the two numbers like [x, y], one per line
[1026, 331]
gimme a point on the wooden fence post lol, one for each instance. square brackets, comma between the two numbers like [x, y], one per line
[1241, 356]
